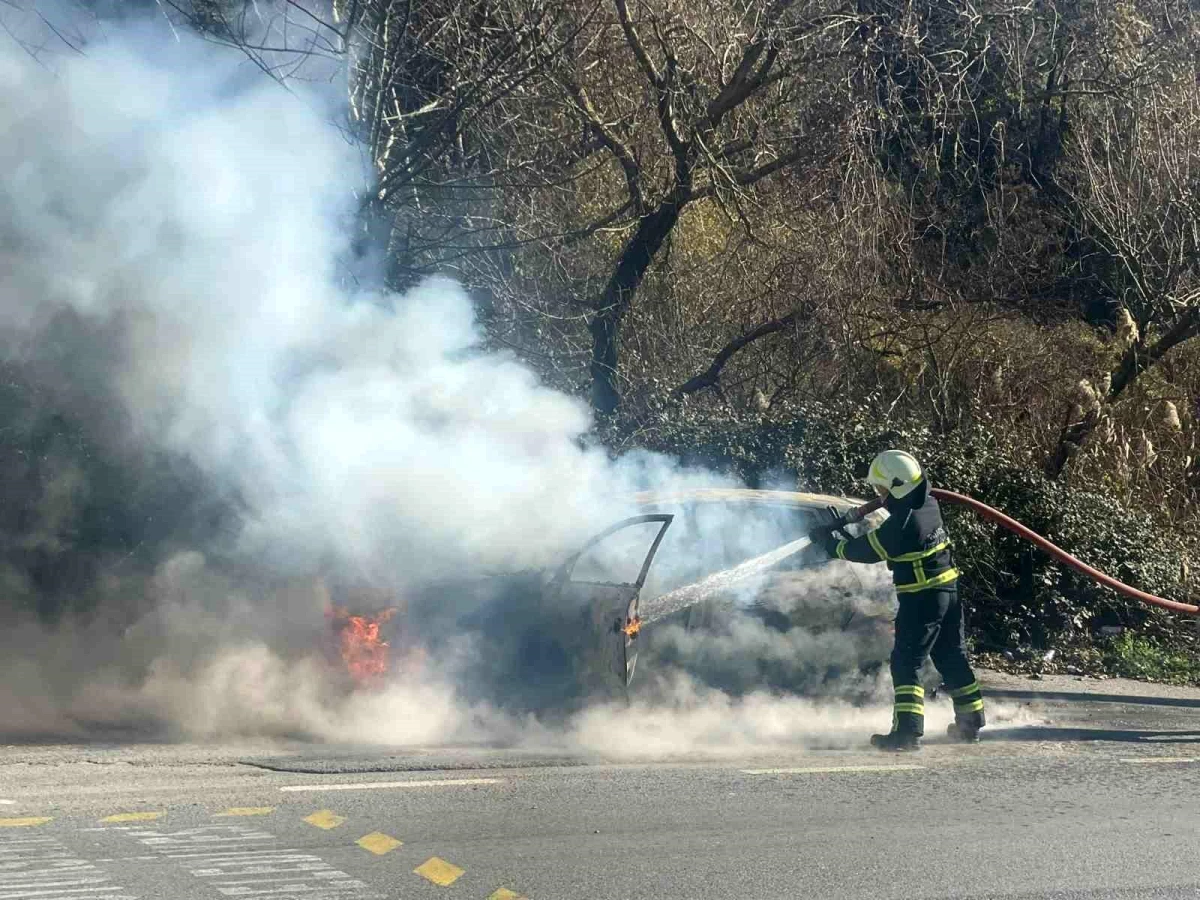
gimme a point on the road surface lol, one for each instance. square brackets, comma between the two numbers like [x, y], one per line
[1090, 792]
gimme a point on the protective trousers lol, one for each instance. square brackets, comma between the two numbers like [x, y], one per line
[930, 624]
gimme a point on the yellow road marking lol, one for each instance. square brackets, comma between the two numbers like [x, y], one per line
[132, 817]
[505, 894]
[810, 770]
[439, 871]
[248, 811]
[325, 819]
[1163, 759]
[378, 843]
[25, 822]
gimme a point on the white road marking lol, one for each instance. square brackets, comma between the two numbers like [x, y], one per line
[375, 785]
[812, 770]
[43, 868]
[205, 836]
[1150, 760]
[240, 861]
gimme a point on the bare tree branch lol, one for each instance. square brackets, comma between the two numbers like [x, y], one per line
[610, 140]
[711, 376]
[637, 46]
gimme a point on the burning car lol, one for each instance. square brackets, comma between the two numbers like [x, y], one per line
[550, 641]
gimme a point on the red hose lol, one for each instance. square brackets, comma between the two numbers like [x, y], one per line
[1061, 555]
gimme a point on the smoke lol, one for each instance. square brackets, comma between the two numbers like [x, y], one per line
[173, 233]
[810, 632]
[196, 236]
[196, 666]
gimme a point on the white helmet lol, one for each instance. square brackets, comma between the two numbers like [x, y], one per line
[895, 472]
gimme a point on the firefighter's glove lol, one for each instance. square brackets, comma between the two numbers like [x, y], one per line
[822, 536]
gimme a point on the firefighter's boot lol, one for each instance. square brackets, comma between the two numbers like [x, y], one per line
[968, 713]
[896, 742]
[908, 721]
[965, 728]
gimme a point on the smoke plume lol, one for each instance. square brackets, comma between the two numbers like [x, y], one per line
[173, 234]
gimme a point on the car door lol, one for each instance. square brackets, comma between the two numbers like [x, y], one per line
[603, 596]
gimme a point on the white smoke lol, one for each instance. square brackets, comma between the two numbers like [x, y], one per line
[188, 220]
[837, 618]
[199, 233]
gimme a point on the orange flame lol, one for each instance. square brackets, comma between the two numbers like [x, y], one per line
[632, 626]
[365, 654]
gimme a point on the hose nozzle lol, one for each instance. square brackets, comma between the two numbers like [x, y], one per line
[859, 513]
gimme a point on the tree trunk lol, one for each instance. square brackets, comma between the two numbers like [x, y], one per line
[631, 267]
[1138, 359]
[1069, 442]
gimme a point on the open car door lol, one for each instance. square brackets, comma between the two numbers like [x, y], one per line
[611, 606]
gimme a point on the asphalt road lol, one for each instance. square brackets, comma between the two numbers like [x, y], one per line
[1090, 791]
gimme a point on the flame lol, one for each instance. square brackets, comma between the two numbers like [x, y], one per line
[366, 655]
[632, 626]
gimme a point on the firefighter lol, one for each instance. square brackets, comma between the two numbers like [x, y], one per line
[913, 542]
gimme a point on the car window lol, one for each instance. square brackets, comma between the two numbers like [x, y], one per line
[709, 537]
[618, 558]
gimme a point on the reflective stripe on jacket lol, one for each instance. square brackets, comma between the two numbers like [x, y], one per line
[912, 541]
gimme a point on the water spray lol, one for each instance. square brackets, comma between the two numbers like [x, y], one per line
[681, 598]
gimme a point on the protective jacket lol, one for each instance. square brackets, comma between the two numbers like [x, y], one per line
[912, 541]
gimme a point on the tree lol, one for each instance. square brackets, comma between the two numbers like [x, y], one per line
[705, 107]
[908, 207]
[1136, 192]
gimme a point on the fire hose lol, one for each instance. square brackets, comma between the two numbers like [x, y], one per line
[994, 515]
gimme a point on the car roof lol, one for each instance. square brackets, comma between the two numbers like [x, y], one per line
[796, 499]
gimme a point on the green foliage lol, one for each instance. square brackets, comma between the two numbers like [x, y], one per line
[1018, 597]
[1132, 656]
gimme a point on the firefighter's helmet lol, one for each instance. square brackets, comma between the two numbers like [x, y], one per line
[895, 472]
